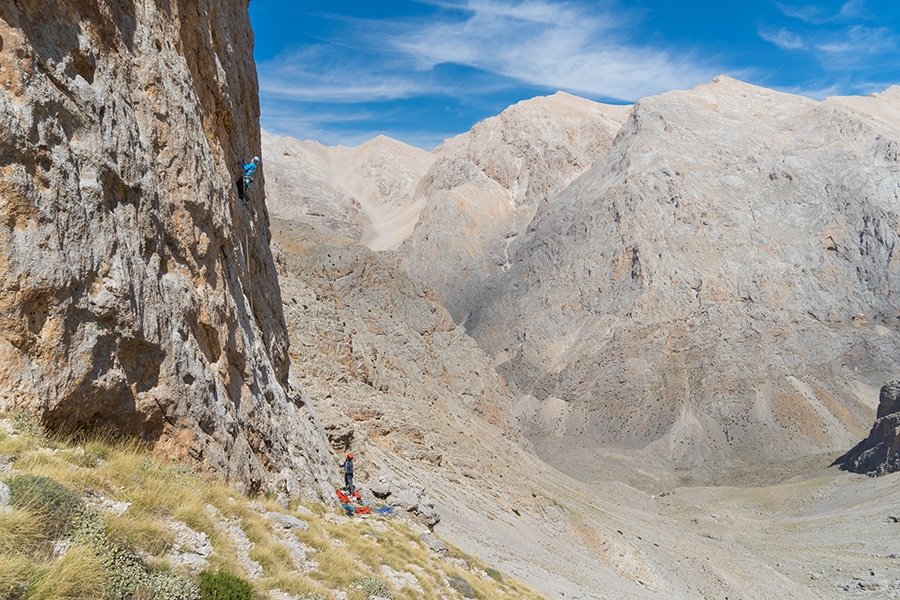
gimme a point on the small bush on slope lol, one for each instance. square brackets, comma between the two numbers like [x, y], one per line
[224, 586]
[371, 586]
[458, 583]
[56, 503]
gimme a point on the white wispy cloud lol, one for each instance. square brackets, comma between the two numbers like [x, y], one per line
[841, 40]
[853, 9]
[807, 13]
[860, 41]
[783, 39]
[576, 47]
[817, 15]
[580, 48]
[326, 74]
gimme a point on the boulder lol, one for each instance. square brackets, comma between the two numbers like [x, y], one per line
[407, 499]
[416, 502]
[287, 521]
[381, 489]
[888, 399]
[433, 543]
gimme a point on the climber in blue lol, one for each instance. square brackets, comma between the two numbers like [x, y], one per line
[249, 172]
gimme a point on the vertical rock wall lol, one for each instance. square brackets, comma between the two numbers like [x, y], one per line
[137, 293]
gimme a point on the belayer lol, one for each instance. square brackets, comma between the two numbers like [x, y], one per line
[347, 465]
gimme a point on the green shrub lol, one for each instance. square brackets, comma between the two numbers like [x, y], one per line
[371, 586]
[224, 586]
[494, 574]
[23, 423]
[128, 575]
[45, 496]
[462, 586]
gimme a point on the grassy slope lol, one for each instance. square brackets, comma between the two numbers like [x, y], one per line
[343, 555]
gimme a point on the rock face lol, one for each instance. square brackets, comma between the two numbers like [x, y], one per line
[364, 194]
[721, 289]
[376, 349]
[486, 185]
[879, 454]
[136, 293]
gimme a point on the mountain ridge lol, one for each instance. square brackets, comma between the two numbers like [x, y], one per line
[620, 226]
[363, 193]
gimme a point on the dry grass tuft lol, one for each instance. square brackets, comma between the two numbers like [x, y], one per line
[15, 569]
[78, 574]
[144, 534]
[21, 531]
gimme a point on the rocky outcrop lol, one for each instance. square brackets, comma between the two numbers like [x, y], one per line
[136, 293]
[879, 454]
[486, 184]
[722, 289]
[376, 348]
[364, 194]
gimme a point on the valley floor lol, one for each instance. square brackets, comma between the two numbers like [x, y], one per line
[797, 530]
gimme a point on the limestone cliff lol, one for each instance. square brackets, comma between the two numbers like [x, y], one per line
[136, 292]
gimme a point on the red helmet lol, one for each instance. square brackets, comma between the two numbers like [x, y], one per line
[350, 455]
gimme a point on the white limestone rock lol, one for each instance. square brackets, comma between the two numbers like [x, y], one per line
[486, 185]
[287, 521]
[191, 549]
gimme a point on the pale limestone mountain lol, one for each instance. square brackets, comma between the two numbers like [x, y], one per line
[299, 187]
[363, 193]
[486, 185]
[721, 290]
[139, 294]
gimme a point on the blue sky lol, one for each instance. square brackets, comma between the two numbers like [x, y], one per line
[345, 71]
